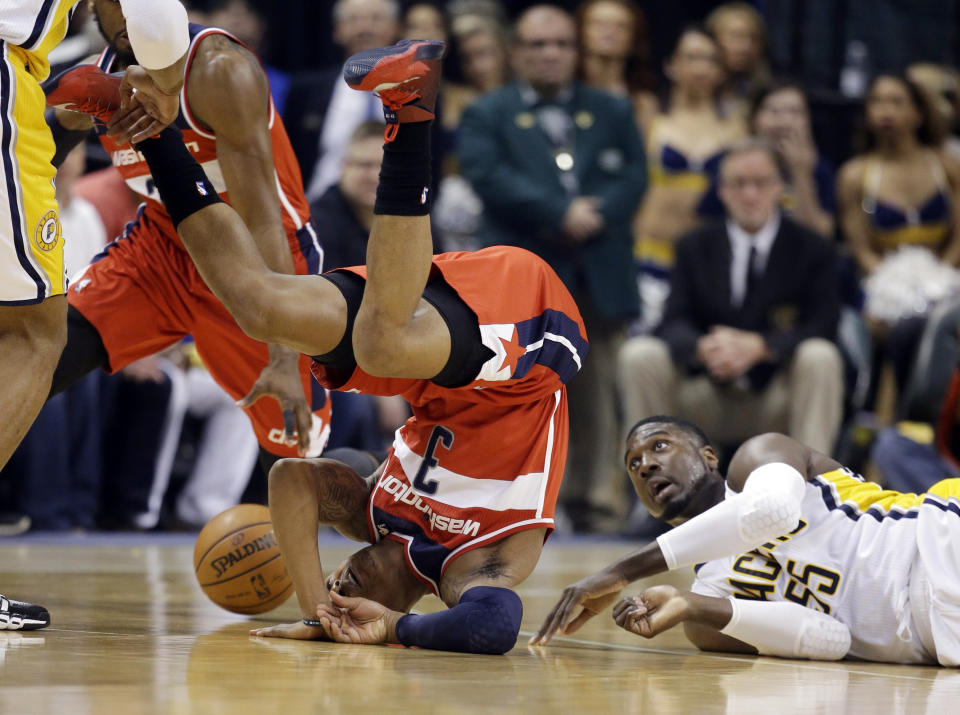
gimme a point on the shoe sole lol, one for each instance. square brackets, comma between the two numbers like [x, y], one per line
[389, 61]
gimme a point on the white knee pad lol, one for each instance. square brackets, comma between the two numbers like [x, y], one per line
[788, 630]
[158, 30]
[768, 507]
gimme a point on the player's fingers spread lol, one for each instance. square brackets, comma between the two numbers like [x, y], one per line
[578, 622]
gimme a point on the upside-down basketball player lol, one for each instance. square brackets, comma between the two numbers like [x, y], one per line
[481, 344]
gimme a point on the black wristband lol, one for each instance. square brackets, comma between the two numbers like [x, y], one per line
[64, 139]
[312, 622]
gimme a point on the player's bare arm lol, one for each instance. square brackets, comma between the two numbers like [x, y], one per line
[305, 494]
[228, 94]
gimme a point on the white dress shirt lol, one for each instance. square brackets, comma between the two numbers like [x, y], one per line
[740, 245]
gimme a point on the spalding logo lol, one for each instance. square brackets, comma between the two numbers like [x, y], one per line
[224, 563]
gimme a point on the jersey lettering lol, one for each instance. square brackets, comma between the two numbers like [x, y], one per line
[439, 436]
[822, 580]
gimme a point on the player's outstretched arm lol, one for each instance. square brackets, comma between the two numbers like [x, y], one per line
[305, 493]
[589, 596]
[730, 625]
[229, 93]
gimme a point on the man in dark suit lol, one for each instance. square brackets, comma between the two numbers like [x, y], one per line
[321, 111]
[560, 169]
[746, 343]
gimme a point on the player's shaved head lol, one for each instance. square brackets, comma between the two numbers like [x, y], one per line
[697, 434]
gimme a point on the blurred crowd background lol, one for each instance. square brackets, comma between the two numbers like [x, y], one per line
[755, 204]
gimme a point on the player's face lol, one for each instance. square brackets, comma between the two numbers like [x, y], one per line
[113, 27]
[377, 572]
[667, 468]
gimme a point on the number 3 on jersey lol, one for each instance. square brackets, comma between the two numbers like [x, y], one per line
[440, 436]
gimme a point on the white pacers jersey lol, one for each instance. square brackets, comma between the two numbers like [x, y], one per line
[853, 556]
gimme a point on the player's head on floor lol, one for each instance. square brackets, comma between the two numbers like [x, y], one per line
[113, 27]
[672, 466]
[378, 572]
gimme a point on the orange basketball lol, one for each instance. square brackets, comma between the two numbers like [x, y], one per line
[238, 563]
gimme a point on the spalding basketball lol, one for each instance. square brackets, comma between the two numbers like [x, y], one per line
[238, 563]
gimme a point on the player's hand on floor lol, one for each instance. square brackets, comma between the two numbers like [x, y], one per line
[358, 620]
[295, 631]
[579, 603]
[281, 380]
[654, 611]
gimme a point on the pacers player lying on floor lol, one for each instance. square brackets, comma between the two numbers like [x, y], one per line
[481, 345]
[794, 555]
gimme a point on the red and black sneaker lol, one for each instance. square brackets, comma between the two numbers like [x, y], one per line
[20, 616]
[405, 76]
[86, 89]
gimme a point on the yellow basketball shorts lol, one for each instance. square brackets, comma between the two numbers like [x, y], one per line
[31, 239]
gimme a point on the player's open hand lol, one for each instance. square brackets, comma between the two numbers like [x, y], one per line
[358, 620]
[281, 379]
[295, 631]
[145, 109]
[589, 596]
[654, 611]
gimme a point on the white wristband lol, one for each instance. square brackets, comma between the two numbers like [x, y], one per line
[158, 30]
[788, 630]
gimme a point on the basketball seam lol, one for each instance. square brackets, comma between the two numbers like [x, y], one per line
[196, 568]
[238, 575]
[257, 605]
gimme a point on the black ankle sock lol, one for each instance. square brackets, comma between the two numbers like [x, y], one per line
[181, 181]
[404, 188]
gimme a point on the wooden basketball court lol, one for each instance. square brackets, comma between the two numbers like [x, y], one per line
[132, 633]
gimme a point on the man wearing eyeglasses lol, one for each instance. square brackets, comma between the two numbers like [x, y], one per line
[746, 343]
[560, 169]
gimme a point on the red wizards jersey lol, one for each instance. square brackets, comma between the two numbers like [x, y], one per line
[202, 144]
[482, 461]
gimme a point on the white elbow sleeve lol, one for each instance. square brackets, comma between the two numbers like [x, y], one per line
[158, 29]
[768, 507]
[773, 494]
[787, 630]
